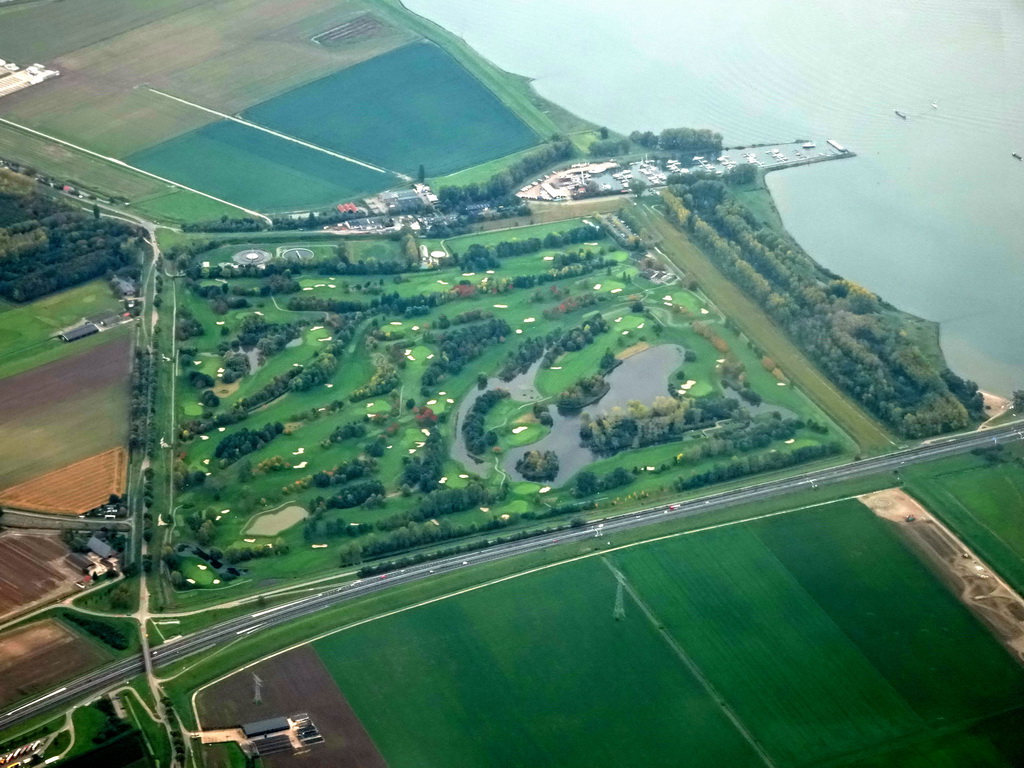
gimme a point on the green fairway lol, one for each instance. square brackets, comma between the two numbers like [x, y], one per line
[534, 672]
[415, 105]
[818, 629]
[255, 169]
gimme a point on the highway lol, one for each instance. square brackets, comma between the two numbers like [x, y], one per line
[234, 629]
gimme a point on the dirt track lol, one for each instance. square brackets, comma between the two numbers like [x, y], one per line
[979, 587]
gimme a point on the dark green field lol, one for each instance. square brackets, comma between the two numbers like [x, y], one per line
[410, 106]
[258, 170]
[819, 630]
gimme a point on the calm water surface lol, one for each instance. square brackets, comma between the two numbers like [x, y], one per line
[931, 213]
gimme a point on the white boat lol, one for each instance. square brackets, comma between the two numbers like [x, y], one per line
[808, 145]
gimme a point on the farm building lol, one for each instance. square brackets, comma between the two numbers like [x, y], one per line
[124, 289]
[99, 546]
[265, 727]
[79, 332]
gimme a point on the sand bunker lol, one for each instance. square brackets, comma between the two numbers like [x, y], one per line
[272, 523]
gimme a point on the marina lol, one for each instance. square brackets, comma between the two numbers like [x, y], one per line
[609, 177]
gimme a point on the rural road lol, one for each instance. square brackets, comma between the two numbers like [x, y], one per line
[233, 629]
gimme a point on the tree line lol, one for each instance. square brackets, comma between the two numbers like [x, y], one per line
[848, 331]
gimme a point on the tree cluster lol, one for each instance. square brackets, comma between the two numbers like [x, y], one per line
[47, 245]
[245, 441]
[460, 345]
[478, 439]
[852, 336]
[537, 466]
[667, 420]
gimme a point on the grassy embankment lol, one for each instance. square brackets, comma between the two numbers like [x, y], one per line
[981, 498]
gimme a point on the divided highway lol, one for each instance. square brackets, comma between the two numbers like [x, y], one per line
[227, 631]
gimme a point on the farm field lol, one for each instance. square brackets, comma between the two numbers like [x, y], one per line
[138, 84]
[257, 50]
[416, 105]
[799, 625]
[83, 396]
[256, 169]
[40, 654]
[354, 422]
[32, 567]
[28, 331]
[74, 489]
[293, 683]
[981, 498]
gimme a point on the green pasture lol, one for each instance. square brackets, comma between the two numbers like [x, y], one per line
[800, 624]
[982, 500]
[462, 242]
[258, 170]
[464, 676]
[416, 105]
[180, 205]
[28, 331]
[39, 32]
[77, 168]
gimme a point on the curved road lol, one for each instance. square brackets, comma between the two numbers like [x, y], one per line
[234, 629]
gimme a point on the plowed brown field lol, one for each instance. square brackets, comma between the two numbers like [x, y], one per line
[75, 489]
[36, 656]
[293, 683]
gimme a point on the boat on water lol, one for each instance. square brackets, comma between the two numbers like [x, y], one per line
[899, 114]
[1017, 155]
[808, 145]
[934, 105]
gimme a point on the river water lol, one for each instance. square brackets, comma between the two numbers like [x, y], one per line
[931, 213]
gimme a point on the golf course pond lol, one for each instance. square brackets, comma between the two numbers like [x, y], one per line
[643, 376]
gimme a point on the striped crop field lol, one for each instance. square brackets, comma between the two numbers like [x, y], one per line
[808, 638]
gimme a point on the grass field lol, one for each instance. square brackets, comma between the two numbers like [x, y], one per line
[258, 50]
[27, 331]
[258, 170]
[982, 499]
[801, 624]
[415, 105]
[614, 692]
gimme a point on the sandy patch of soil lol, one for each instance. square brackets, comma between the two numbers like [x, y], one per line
[979, 587]
[633, 350]
[272, 523]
